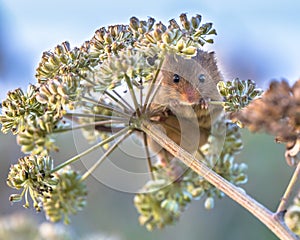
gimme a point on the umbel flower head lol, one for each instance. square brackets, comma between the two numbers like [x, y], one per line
[277, 112]
[32, 174]
[238, 93]
[69, 81]
[20, 109]
[68, 196]
[64, 60]
[59, 194]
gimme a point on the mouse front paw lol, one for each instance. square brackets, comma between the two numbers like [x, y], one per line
[203, 102]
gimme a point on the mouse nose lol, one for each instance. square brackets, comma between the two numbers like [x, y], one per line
[192, 94]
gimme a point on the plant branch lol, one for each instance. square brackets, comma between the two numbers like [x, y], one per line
[282, 205]
[277, 226]
[93, 124]
[105, 155]
[152, 85]
[123, 100]
[106, 106]
[133, 96]
[148, 156]
[78, 156]
[86, 115]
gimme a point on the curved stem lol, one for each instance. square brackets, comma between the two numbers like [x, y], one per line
[276, 225]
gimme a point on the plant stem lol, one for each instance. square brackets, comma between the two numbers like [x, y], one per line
[123, 100]
[133, 96]
[277, 226]
[148, 156]
[289, 190]
[75, 158]
[106, 106]
[93, 124]
[154, 92]
[152, 84]
[105, 155]
[87, 79]
[216, 102]
[86, 115]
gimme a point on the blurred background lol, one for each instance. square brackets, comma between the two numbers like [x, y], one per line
[256, 40]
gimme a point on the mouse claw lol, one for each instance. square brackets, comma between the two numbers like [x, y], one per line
[204, 103]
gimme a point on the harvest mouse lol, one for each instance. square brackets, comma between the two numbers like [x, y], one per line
[186, 86]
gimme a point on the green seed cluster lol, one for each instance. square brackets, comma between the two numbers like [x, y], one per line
[64, 60]
[59, 194]
[238, 93]
[68, 196]
[36, 141]
[32, 174]
[292, 217]
[31, 120]
[19, 110]
[127, 64]
[223, 163]
[162, 200]
[110, 41]
[59, 94]
[182, 40]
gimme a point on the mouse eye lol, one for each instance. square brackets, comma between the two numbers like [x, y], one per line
[201, 78]
[176, 78]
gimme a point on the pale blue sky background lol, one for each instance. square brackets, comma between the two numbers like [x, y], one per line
[256, 39]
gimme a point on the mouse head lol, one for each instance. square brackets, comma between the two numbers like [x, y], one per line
[189, 80]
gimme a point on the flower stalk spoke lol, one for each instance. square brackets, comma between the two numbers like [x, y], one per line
[93, 124]
[133, 95]
[150, 167]
[289, 190]
[93, 148]
[123, 100]
[107, 106]
[151, 87]
[105, 155]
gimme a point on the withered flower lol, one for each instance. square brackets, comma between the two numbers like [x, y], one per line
[277, 112]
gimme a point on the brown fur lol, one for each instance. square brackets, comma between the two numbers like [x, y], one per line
[190, 115]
